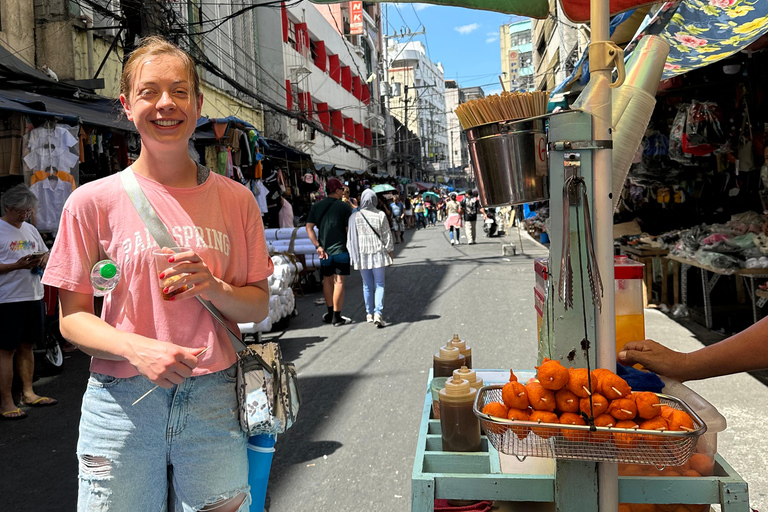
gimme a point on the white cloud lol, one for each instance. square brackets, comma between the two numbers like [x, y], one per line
[467, 29]
[492, 37]
[421, 7]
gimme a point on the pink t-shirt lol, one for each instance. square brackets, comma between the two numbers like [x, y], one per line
[219, 219]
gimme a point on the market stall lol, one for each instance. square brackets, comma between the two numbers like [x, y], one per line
[583, 171]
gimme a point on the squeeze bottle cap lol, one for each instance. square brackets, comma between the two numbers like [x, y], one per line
[449, 352]
[457, 386]
[466, 374]
[458, 343]
[108, 271]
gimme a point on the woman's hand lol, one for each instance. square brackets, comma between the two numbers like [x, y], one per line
[654, 357]
[163, 363]
[192, 273]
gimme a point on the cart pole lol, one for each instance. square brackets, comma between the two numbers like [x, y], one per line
[608, 484]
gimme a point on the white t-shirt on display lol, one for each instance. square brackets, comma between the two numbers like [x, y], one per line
[51, 194]
[19, 285]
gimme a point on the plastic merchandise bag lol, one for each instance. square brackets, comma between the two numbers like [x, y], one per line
[675, 150]
[679, 311]
[703, 134]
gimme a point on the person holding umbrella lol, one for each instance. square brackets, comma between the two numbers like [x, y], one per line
[471, 206]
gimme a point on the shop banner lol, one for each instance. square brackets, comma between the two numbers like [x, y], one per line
[356, 23]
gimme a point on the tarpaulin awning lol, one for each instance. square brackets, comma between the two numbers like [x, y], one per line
[12, 106]
[97, 112]
[576, 10]
[278, 150]
[204, 129]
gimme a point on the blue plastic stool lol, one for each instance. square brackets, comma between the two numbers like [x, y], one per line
[544, 238]
[261, 448]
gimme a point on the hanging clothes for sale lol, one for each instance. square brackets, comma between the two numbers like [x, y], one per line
[51, 194]
[260, 192]
[42, 175]
[49, 147]
[11, 132]
[286, 214]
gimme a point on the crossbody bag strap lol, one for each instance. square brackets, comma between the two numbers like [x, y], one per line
[160, 233]
[369, 225]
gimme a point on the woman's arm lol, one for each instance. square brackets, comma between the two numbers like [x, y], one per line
[161, 362]
[386, 234]
[742, 352]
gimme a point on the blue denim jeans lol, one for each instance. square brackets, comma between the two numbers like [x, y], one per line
[373, 289]
[179, 449]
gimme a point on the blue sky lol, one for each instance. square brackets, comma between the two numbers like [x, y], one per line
[466, 41]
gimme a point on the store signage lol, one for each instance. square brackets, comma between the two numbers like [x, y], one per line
[514, 66]
[356, 18]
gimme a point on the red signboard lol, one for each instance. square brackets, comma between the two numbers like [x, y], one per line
[356, 24]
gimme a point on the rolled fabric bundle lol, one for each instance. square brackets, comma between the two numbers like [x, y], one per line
[286, 233]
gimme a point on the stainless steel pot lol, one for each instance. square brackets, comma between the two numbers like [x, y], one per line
[510, 161]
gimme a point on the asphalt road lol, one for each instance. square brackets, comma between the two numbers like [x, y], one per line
[363, 387]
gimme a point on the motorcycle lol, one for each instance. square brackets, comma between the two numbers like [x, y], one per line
[490, 226]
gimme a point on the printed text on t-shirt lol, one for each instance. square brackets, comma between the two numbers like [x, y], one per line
[195, 237]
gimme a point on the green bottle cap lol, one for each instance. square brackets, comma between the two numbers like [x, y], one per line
[108, 271]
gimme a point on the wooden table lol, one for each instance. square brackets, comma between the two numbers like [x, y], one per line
[747, 275]
[645, 254]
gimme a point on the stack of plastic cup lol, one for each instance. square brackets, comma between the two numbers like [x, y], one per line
[261, 448]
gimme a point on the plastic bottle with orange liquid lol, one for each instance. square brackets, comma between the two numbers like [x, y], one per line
[628, 287]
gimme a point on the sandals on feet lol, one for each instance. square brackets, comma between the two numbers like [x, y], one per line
[18, 415]
[43, 401]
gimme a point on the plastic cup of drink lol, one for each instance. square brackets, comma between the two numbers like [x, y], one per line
[161, 263]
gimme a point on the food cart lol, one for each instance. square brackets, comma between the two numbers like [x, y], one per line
[578, 179]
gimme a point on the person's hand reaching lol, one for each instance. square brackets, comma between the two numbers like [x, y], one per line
[654, 357]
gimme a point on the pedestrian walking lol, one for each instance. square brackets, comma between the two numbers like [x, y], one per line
[471, 207]
[419, 210]
[370, 248]
[22, 311]
[432, 209]
[181, 447]
[398, 218]
[347, 199]
[440, 209]
[331, 216]
[408, 213]
[453, 221]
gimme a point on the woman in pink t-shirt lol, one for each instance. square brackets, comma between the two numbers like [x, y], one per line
[181, 447]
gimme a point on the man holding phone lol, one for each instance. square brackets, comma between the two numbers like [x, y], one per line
[22, 311]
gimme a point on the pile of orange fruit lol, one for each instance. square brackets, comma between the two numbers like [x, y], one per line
[569, 396]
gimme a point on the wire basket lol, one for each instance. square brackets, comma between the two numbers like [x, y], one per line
[577, 442]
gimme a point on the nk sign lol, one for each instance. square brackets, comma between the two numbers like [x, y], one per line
[355, 18]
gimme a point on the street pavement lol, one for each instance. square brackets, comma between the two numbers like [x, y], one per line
[363, 388]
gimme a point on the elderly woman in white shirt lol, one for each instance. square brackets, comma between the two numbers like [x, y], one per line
[370, 245]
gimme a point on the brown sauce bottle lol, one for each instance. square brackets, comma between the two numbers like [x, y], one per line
[464, 349]
[449, 358]
[460, 427]
[469, 375]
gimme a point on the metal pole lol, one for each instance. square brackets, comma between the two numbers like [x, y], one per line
[608, 484]
[387, 113]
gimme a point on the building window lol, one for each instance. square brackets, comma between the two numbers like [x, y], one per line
[520, 38]
[526, 60]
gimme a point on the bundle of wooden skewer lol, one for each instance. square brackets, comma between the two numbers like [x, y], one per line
[508, 106]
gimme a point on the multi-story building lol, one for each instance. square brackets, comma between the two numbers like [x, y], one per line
[557, 46]
[310, 66]
[421, 104]
[458, 155]
[80, 42]
[517, 56]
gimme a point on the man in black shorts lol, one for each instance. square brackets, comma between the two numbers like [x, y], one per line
[331, 216]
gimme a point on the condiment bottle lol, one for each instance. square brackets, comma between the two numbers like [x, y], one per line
[449, 358]
[468, 375]
[465, 350]
[460, 427]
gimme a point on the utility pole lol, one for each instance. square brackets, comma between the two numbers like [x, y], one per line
[387, 125]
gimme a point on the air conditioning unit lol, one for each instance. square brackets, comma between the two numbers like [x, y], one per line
[100, 18]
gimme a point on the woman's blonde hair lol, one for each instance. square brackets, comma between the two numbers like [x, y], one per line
[152, 46]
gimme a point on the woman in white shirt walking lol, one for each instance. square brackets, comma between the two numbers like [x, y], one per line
[370, 245]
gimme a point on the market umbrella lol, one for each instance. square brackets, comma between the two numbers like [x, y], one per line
[576, 10]
[426, 194]
[383, 188]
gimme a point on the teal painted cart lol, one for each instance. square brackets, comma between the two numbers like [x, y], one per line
[477, 476]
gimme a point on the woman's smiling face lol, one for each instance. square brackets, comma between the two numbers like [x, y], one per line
[162, 103]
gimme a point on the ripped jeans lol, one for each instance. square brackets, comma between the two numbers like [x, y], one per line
[179, 449]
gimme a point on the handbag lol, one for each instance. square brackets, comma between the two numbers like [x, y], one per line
[267, 387]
